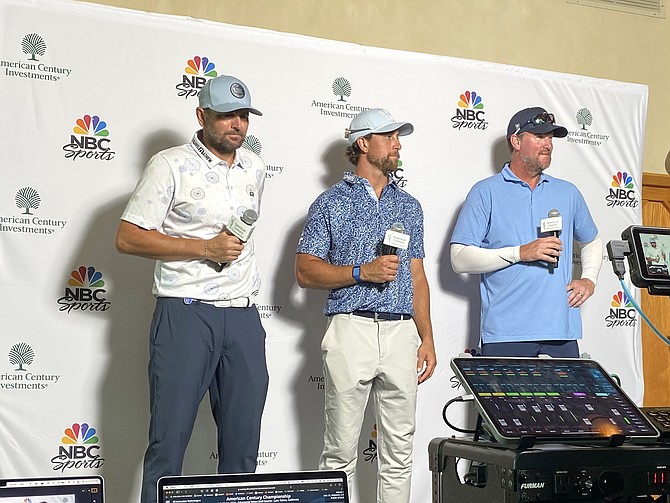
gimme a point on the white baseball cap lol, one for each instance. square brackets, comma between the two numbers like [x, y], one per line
[375, 121]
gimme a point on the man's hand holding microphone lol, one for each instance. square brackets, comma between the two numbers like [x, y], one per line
[384, 268]
[227, 246]
[546, 248]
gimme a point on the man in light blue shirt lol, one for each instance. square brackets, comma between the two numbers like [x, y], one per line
[529, 299]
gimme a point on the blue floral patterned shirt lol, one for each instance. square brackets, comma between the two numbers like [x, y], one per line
[346, 226]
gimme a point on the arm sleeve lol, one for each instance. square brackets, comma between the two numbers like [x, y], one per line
[476, 260]
[592, 259]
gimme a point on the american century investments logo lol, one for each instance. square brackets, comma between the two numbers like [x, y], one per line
[196, 73]
[22, 356]
[342, 89]
[28, 200]
[622, 312]
[32, 46]
[264, 458]
[253, 144]
[469, 112]
[84, 291]
[90, 140]
[622, 191]
[79, 449]
[316, 380]
[266, 311]
[583, 136]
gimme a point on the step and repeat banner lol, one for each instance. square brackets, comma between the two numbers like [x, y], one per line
[88, 93]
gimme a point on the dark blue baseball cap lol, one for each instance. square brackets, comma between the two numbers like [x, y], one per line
[535, 120]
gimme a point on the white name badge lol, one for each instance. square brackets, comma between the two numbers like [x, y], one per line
[398, 240]
[551, 224]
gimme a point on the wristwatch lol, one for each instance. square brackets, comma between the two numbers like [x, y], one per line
[356, 273]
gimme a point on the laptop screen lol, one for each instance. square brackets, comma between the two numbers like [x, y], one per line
[550, 399]
[298, 487]
[86, 489]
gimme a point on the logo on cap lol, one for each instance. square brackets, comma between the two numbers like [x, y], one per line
[237, 90]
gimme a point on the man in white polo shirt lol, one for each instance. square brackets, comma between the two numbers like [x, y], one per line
[206, 333]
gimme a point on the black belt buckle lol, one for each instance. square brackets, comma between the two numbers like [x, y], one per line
[382, 316]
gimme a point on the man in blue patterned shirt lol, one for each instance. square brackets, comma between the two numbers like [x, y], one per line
[379, 336]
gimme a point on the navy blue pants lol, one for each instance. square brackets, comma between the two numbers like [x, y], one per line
[195, 348]
[555, 349]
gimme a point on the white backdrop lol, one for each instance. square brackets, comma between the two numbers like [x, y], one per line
[89, 93]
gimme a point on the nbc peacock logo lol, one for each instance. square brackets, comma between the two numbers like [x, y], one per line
[84, 291]
[370, 452]
[469, 112]
[79, 449]
[622, 191]
[197, 72]
[89, 139]
[622, 312]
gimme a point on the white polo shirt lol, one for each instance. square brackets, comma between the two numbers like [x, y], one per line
[188, 192]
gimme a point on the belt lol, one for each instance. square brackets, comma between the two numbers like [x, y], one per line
[238, 302]
[382, 316]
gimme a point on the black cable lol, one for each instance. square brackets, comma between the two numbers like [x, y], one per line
[444, 416]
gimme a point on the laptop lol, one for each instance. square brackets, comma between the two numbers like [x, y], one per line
[551, 400]
[80, 489]
[298, 487]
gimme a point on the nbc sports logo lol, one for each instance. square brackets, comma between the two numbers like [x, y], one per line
[622, 191]
[370, 452]
[622, 312]
[197, 72]
[90, 140]
[79, 449]
[84, 291]
[469, 112]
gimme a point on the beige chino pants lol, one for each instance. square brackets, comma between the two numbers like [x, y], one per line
[363, 357]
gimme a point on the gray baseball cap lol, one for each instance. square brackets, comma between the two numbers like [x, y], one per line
[226, 94]
[375, 121]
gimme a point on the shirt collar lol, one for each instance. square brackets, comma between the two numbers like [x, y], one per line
[353, 179]
[206, 155]
[509, 176]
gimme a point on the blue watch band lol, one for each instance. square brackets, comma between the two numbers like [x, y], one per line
[356, 273]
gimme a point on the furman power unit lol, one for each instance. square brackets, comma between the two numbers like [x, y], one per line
[464, 471]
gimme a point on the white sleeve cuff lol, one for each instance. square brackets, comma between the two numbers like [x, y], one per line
[592, 259]
[475, 260]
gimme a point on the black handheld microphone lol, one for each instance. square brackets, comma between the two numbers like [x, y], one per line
[395, 239]
[553, 224]
[240, 228]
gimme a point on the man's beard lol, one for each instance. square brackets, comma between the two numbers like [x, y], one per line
[534, 165]
[222, 144]
[387, 165]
